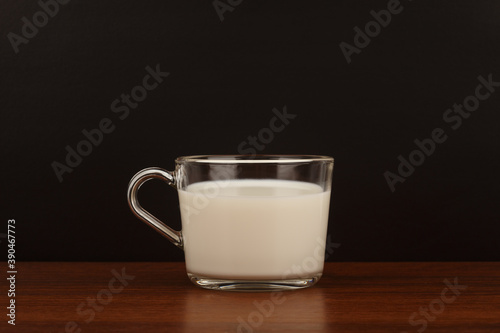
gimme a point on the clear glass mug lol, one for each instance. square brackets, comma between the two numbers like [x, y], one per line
[248, 222]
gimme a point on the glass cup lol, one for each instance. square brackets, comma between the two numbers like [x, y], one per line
[249, 223]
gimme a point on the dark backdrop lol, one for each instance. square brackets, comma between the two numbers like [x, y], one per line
[225, 79]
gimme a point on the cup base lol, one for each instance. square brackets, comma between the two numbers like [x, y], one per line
[253, 285]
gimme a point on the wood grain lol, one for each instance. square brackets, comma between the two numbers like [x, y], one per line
[351, 297]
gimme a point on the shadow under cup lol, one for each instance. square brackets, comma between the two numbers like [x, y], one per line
[248, 223]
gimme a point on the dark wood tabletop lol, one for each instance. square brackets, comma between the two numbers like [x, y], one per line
[350, 297]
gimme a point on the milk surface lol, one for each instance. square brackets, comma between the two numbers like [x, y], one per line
[254, 229]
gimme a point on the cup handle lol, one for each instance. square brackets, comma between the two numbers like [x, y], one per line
[133, 187]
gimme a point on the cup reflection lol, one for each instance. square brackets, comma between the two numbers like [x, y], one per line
[218, 311]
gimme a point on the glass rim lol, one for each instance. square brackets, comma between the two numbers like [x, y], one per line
[265, 158]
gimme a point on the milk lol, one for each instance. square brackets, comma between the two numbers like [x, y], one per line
[254, 229]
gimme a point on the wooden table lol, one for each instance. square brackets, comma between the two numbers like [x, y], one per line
[351, 297]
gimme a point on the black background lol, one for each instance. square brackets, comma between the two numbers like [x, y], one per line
[225, 79]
